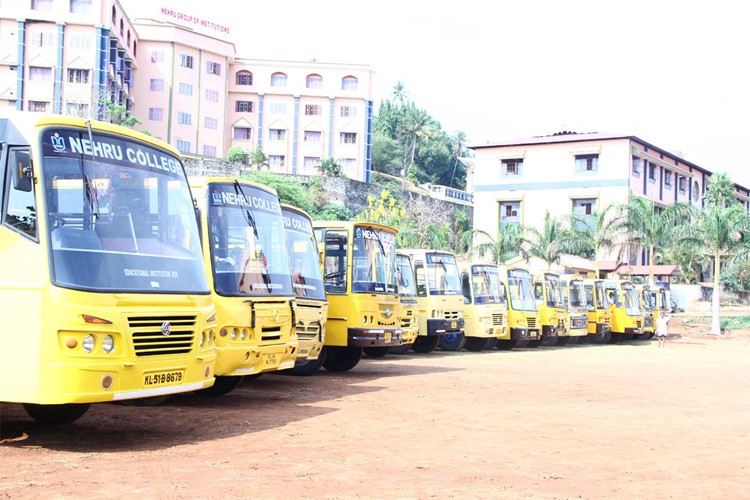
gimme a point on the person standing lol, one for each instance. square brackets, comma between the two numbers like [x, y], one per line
[661, 329]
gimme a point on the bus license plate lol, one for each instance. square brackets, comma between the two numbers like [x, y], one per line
[454, 325]
[271, 360]
[303, 353]
[162, 378]
[387, 336]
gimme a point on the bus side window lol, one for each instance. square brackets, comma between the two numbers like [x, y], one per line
[20, 209]
[419, 274]
[466, 288]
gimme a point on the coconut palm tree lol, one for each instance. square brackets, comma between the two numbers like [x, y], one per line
[595, 233]
[550, 243]
[505, 245]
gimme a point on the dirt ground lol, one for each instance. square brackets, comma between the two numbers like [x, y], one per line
[626, 420]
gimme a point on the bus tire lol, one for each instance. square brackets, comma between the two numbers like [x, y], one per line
[376, 352]
[505, 345]
[564, 341]
[549, 340]
[222, 385]
[647, 336]
[533, 343]
[491, 343]
[452, 341]
[400, 349]
[425, 344]
[308, 367]
[520, 343]
[628, 336]
[56, 414]
[342, 359]
[601, 338]
[476, 344]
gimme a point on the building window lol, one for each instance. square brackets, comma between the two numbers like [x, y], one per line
[38, 74]
[312, 136]
[211, 123]
[185, 88]
[275, 161]
[77, 109]
[348, 138]
[37, 106]
[41, 39]
[80, 6]
[212, 95]
[311, 161]
[244, 78]
[636, 166]
[276, 134]
[587, 163]
[347, 163]
[348, 111]
[82, 42]
[41, 4]
[511, 167]
[277, 108]
[241, 133]
[683, 184]
[584, 206]
[696, 191]
[510, 213]
[312, 110]
[278, 80]
[348, 83]
[157, 56]
[651, 172]
[156, 114]
[314, 82]
[156, 85]
[213, 68]
[186, 61]
[667, 180]
[184, 118]
[78, 76]
[182, 146]
[243, 106]
[209, 150]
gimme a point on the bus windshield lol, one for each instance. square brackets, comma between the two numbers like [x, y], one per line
[576, 294]
[374, 261]
[119, 214]
[554, 290]
[442, 274]
[631, 300]
[519, 290]
[248, 241]
[486, 284]
[601, 301]
[407, 286]
[307, 279]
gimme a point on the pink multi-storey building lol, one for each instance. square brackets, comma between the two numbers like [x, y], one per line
[180, 75]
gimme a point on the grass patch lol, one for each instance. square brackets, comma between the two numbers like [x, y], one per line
[735, 323]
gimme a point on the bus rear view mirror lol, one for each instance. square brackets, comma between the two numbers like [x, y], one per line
[22, 172]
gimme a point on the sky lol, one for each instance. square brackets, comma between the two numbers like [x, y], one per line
[673, 73]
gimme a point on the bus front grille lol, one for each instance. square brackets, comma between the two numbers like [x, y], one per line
[452, 314]
[531, 322]
[162, 335]
[497, 319]
[308, 332]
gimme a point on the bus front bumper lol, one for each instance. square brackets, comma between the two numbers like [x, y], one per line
[440, 326]
[374, 337]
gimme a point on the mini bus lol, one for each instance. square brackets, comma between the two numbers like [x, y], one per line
[438, 296]
[523, 316]
[246, 262]
[627, 319]
[360, 278]
[485, 306]
[599, 313]
[576, 308]
[548, 294]
[102, 290]
[307, 281]
[407, 292]
[647, 298]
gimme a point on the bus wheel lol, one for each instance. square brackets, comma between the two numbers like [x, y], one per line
[56, 414]
[476, 344]
[647, 336]
[341, 359]
[564, 341]
[548, 340]
[452, 341]
[308, 367]
[534, 343]
[222, 385]
[628, 336]
[376, 352]
[601, 338]
[505, 345]
[425, 344]
[520, 343]
[400, 349]
[491, 343]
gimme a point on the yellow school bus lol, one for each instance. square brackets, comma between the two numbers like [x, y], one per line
[439, 298]
[359, 274]
[576, 309]
[549, 302]
[485, 306]
[627, 319]
[599, 312]
[307, 280]
[523, 316]
[647, 300]
[407, 292]
[102, 290]
[246, 262]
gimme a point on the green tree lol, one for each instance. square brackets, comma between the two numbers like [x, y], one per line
[550, 243]
[719, 190]
[389, 210]
[503, 246]
[258, 159]
[237, 154]
[291, 190]
[331, 168]
[591, 235]
[120, 115]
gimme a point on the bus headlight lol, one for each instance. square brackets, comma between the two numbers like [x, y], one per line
[234, 334]
[88, 343]
[203, 339]
[108, 344]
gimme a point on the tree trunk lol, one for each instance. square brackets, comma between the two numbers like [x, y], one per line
[715, 321]
[651, 266]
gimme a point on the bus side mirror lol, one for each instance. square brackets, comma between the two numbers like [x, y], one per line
[22, 172]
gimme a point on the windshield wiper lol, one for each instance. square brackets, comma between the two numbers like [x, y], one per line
[249, 218]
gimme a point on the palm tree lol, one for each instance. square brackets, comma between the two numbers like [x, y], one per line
[550, 243]
[507, 244]
[417, 126]
[719, 190]
[258, 158]
[458, 148]
[399, 94]
[595, 233]
[650, 227]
